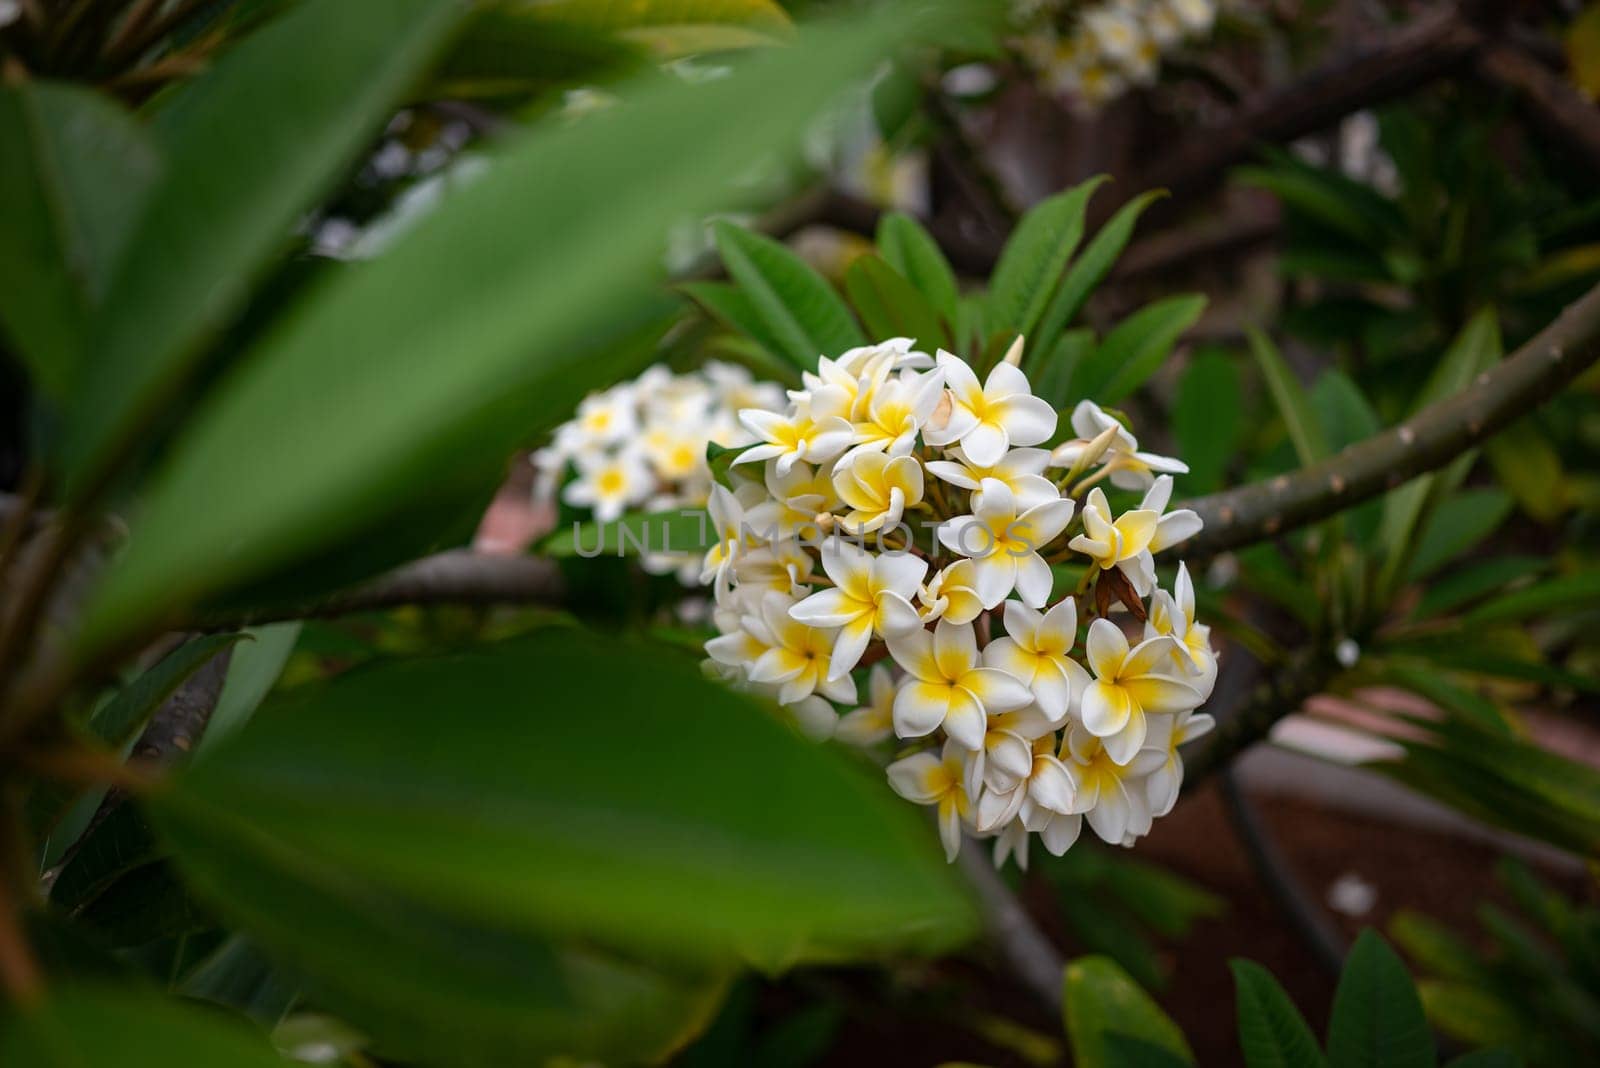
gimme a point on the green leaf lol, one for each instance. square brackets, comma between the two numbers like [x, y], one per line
[1208, 418]
[239, 976]
[248, 147]
[116, 722]
[252, 671]
[1529, 468]
[115, 846]
[1034, 256]
[1272, 1032]
[673, 27]
[889, 306]
[1054, 372]
[1134, 350]
[378, 414]
[1348, 207]
[685, 530]
[527, 813]
[511, 52]
[1377, 1019]
[1456, 525]
[1343, 411]
[1473, 582]
[731, 306]
[1099, 999]
[912, 251]
[1487, 1058]
[1580, 591]
[1435, 948]
[73, 177]
[96, 1027]
[1435, 686]
[1294, 406]
[1091, 268]
[805, 317]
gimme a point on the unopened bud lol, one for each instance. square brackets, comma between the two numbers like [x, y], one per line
[1013, 355]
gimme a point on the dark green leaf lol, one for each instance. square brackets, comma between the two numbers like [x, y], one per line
[94, 1027]
[733, 307]
[1272, 1032]
[1473, 582]
[1580, 591]
[116, 722]
[526, 811]
[1099, 1000]
[1294, 406]
[889, 306]
[1208, 418]
[72, 178]
[356, 371]
[119, 843]
[238, 976]
[1034, 256]
[1091, 268]
[1377, 1019]
[252, 671]
[513, 52]
[910, 250]
[800, 310]
[1053, 372]
[1134, 350]
[248, 147]
[1487, 1058]
[1456, 525]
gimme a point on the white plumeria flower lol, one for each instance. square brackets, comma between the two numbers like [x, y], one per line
[925, 779]
[1020, 469]
[1003, 542]
[871, 595]
[815, 717]
[1112, 796]
[1012, 841]
[1165, 782]
[1130, 468]
[798, 658]
[952, 594]
[1171, 527]
[1163, 26]
[1034, 651]
[877, 488]
[674, 454]
[873, 722]
[795, 437]
[991, 418]
[1044, 789]
[796, 498]
[1197, 16]
[949, 688]
[898, 408]
[1130, 685]
[1122, 542]
[782, 566]
[608, 483]
[1173, 615]
[1006, 756]
[1116, 33]
[730, 528]
[606, 418]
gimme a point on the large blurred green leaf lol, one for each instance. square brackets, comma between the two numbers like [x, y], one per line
[799, 309]
[73, 175]
[249, 146]
[93, 1027]
[1034, 256]
[670, 27]
[571, 784]
[1207, 418]
[1272, 1032]
[1377, 1019]
[511, 53]
[1294, 404]
[913, 252]
[1100, 1001]
[1136, 348]
[495, 292]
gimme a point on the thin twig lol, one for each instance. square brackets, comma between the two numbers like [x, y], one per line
[1033, 958]
[1426, 441]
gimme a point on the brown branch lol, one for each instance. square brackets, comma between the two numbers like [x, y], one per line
[458, 576]
[1406, 59]
[1547, 99]
[1426, 441]
[1033, 958]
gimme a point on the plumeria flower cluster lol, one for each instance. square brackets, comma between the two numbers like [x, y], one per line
[641, 445]
[885, 567]
[1108, 45]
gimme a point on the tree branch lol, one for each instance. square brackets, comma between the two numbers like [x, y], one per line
[1547, 99]
[1426, 441]
[1033, 958]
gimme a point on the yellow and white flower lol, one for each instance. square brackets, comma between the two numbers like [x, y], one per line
[990, 418]
[925, 779]
[952, 594]
[877, 488]
[897, 410]
[873, 722]
[608, 483]
[1130, 685]
[871, 596]
[1172, 615]
[1122, 541]
[949, 688]
[798, 435]
[1130, 468]
[1166, 779]
[1022, 470]
[1003, 541]
[798, 657]
[1034, 650]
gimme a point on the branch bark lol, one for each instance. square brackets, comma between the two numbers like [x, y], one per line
[1033, 958]
[1547, 99]
[1426, 441]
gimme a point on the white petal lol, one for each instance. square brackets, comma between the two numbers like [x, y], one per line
[919, 709]
[1061, 832]
[848, 647]
[1050, 786]
[985, 444]
[916, 778]
[965, 721]
[1106, 647]
[1029, 420]
[1034, 580]
[1106, 709]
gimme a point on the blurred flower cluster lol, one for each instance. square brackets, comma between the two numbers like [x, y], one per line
[1094, 52]
[900, 514]
[642, 445]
